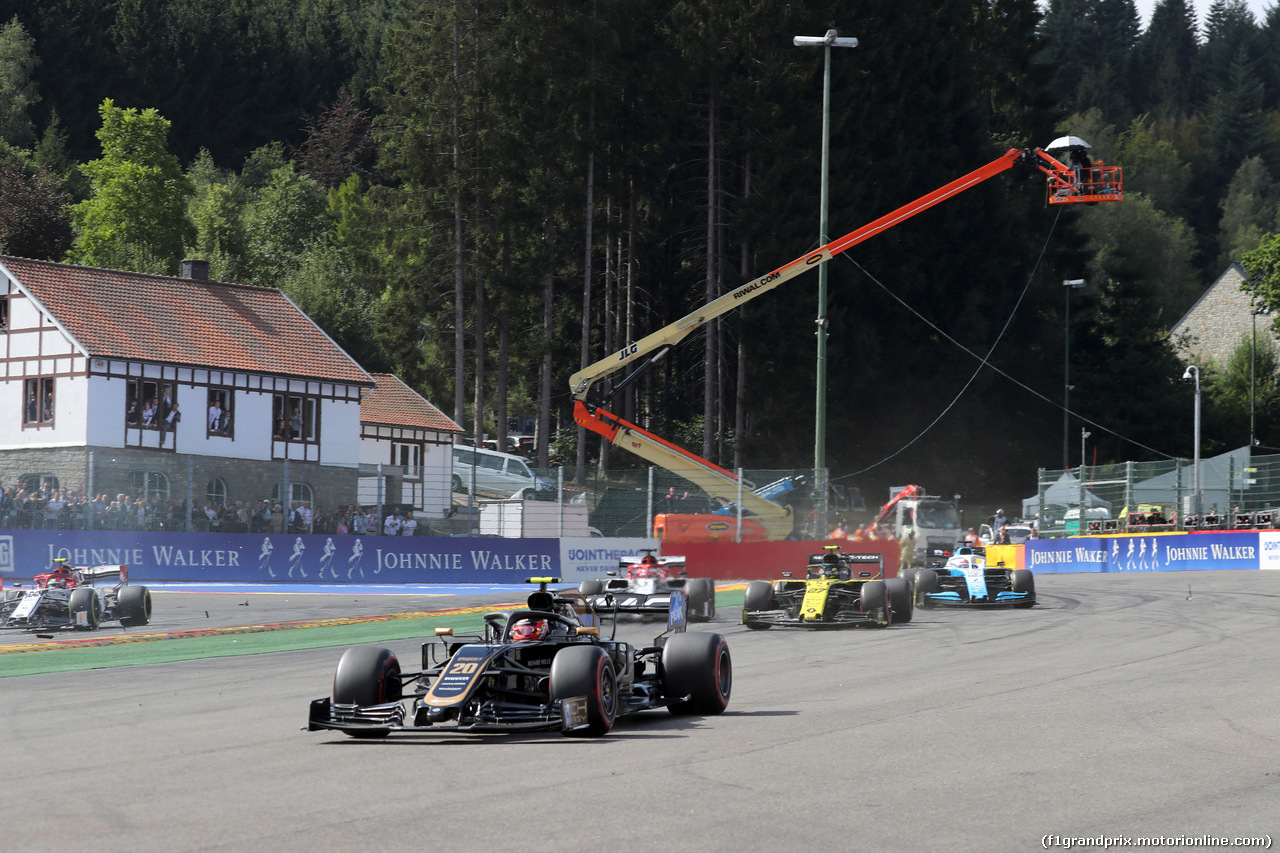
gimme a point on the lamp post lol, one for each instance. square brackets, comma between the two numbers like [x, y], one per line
[826, 42]
[1067, 285]
[1084, 433]
[1253, 370]
[1192, 374]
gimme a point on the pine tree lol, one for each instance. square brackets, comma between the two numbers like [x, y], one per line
[1163, 70]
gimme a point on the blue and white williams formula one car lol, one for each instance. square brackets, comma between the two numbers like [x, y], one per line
[967, 581]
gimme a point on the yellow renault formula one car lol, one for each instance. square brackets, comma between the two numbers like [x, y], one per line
[838, 590]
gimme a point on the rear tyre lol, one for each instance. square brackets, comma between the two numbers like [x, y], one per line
[592, 587]
[134, 603]
[367, 675]
[926, 582]
[1022, 580]
[697, 666]
[874, 600]
[759, 596]
[901, 601]
[457, 483]
[588, 671]
[85, 601]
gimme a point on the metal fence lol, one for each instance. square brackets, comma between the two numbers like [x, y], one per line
[79, 489]
[1236, 490]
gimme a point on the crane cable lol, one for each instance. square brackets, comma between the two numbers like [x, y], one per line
[984, 361]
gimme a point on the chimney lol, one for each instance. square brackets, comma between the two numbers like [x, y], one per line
[195, 269]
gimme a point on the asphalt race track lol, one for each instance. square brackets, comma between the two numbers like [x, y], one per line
[1123, 706]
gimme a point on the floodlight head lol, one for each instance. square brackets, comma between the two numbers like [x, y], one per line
[828, 40]
[1187, 375]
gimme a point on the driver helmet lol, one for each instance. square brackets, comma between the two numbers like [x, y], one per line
[62, 573]
[529, 630]
[648, 567]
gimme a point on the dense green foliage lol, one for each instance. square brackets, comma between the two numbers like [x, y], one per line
[484, 195]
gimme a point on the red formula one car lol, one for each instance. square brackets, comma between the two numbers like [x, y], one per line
[67, 597]
[643, 586]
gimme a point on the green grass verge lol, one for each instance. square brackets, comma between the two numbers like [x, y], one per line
[261, 642]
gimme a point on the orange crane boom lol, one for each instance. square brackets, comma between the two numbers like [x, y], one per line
[1066, 185]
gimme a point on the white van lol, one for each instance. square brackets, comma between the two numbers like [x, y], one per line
[493, 473]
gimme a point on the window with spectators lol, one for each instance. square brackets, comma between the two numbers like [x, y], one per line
[150, 404]
[220, 419]
[38, 402]
[296, 417]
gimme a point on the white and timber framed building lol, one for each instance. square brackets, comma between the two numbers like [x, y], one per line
[168, 387]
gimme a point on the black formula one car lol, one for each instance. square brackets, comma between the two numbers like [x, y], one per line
[544, 667]
[967, 581]
[68, 598]
[646, 588]
[839, 590]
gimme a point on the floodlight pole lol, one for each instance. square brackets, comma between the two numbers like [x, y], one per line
[1194, 372]
[1068, 285]
[1253, 373]
[826, 42]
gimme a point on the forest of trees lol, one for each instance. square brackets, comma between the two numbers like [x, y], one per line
[484, 195]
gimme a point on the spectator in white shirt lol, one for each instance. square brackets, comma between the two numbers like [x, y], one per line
[391, 527]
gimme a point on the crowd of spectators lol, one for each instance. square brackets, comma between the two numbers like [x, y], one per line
[52, 509]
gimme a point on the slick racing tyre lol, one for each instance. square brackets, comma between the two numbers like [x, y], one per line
[901, 601]
[592, 587]
[874, 600]
[697, 666]
[1022, 580]
[586, 671]
[85, 601]
[134, 604]
[926, 582]
[759, 596]
[702, 599]
[367, 675]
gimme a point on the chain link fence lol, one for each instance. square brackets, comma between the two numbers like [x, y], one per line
[1236, 490]
[79, 489]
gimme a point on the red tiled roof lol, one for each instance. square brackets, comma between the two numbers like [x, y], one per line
[115, 314]
[392, 403]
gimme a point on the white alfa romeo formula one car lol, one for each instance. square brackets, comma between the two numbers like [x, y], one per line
[643, 587]
[70, 598]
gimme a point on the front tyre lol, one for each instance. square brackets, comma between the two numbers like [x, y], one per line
[134, 603]
[367, 675]
[578, 671]
[1022, 580]
[85, 600]
[926, 582]
[901, 600]
[759, 596]
[702, 599]
[874, 600]
[697, 666]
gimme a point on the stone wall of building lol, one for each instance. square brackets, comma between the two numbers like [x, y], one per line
[1220, 322]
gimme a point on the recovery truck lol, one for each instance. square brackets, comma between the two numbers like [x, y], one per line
[933, 523]
[762, 518]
